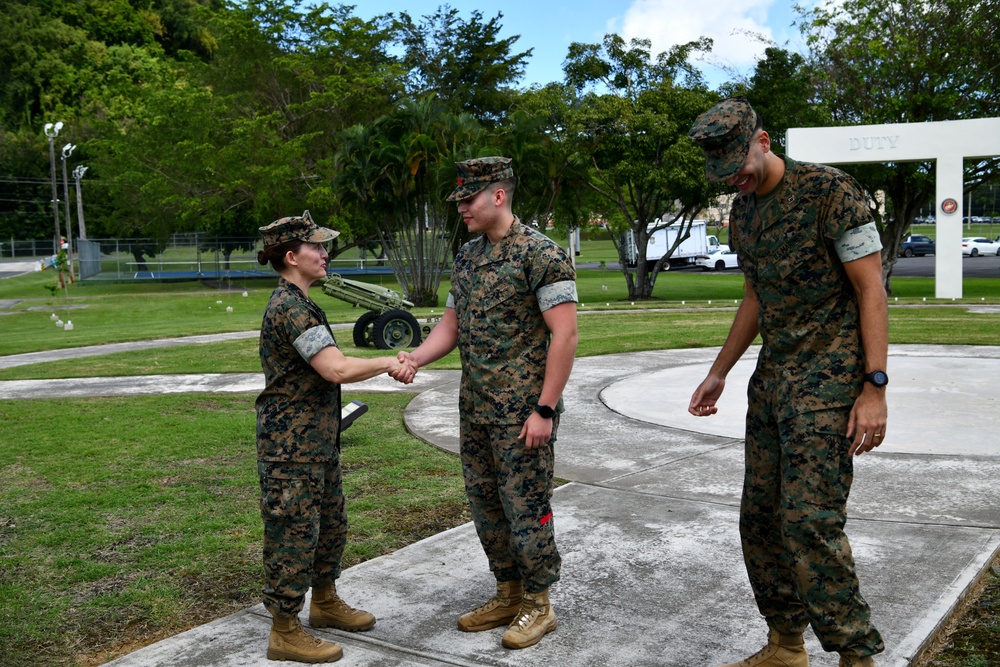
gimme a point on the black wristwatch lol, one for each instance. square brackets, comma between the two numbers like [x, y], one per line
[545, 411]
[877, 378]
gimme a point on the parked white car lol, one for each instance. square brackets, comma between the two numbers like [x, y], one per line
[718, 259]
[977, 245]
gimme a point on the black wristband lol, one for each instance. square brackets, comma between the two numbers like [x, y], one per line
[545, 411]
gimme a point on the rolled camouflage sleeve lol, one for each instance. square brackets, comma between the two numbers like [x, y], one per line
[312, 341]
[858, 242]
[550, 296]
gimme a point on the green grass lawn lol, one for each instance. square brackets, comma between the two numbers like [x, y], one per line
[127, 312]
[125, 520]
[973, 640]
[129, 519]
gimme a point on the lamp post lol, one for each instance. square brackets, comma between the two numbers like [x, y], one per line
[66, 152]
[52, 131]
[78, 174]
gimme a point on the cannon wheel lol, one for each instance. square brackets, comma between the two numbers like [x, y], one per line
[396, 329]
[363, 329]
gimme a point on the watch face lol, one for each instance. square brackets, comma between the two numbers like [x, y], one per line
[879, 379]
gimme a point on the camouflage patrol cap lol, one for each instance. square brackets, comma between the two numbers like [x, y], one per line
[724, 133]
[475, 175]
[296, 228]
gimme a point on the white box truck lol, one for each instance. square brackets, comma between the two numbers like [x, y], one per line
[699, 243]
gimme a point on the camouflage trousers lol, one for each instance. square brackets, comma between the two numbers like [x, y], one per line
[794, 507]
[509, 488]
[305, 530]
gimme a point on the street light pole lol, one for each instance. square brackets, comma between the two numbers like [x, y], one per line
[66, 152]
[52, 131]
[78, 174]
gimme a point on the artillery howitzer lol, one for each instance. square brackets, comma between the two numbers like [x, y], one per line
[387, 323]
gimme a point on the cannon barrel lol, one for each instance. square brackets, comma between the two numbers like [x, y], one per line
[372, 297]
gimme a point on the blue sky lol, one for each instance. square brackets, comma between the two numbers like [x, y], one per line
[550, 26]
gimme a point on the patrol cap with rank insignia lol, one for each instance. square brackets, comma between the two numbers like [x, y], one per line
[475, 175]
[296, 228]
[723, 133]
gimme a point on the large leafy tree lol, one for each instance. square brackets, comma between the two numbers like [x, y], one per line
[552, 173]
[68, 58]
[81, 63]
[881, 61]
[218, 116]
[192, 114]
[782, 90]
[635, 135]
[25, 188]
[250, 136]
[464, 62]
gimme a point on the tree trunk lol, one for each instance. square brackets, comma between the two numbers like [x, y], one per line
[907, 201]
[641, 287]
[417, 251]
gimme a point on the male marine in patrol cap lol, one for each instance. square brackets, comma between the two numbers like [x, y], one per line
[512, 313]
[813, 270]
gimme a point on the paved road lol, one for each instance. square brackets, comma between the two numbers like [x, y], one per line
[908, 267]
[923, 267]
[11, 268]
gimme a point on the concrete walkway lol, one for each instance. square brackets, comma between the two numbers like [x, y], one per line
[648, 525]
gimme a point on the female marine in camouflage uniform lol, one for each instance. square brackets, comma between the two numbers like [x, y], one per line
[298, 446]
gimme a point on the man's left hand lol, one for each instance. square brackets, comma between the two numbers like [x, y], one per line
[536, 431]
[866, 427]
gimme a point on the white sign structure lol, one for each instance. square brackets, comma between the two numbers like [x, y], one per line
[948, 143]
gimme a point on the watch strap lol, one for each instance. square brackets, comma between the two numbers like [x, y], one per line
[877, 378]
[545, 411]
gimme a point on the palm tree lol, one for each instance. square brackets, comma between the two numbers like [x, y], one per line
[399, 170]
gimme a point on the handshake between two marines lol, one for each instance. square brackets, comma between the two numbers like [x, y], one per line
[511, 311]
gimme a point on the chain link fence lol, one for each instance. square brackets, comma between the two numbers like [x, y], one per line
[192, 256]
[25, 249]
[182, 257]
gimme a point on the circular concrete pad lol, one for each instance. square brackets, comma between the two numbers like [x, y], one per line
[941, 400]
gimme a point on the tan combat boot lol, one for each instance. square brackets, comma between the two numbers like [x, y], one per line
[780, 651]
[288, 641]
[854, 661]
[327, 610]
[498, 610]
[534, 620]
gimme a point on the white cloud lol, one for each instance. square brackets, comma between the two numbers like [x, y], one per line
[733, 25]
